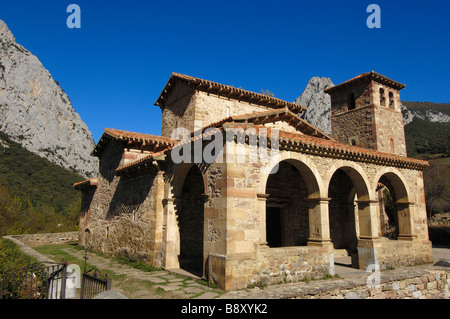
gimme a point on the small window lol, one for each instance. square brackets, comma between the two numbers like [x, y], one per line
[391, 145]
[382, 97]
[391, 101]
[351, 101]
[353, 142]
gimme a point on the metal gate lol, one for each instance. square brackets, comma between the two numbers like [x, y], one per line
[93, 283]
[35, 282]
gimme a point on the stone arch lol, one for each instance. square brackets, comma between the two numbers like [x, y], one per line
[382, 97]
[399, 182]
[305, 167]
[184, 224]
[298, 203]
[349, 207]
[179, 175]
[400, 218]
[391, 100]
[356, 174]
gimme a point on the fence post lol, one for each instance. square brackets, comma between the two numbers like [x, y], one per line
[82, 287]
[63, 281]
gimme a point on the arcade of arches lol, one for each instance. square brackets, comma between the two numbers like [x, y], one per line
[295, 226]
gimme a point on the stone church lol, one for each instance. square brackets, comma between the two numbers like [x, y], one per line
[260, 220]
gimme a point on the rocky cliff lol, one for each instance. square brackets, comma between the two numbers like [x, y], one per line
[318, 103]
[37, 113]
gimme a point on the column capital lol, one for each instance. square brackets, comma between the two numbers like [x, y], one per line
[400, 205]
[318, 199]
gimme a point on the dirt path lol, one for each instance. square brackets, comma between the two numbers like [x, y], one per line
[137, 284]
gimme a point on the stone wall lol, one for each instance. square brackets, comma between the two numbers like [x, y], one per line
[34, 240]
[122, 212]
[283, 265]
[190, 106]
[432, 284]
[356, 124]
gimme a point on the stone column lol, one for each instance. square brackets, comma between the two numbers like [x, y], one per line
[368, 219]
[405, 211]
[369, 240]
[262, 199]
[171, 238]
[157, 220]
[319, 223]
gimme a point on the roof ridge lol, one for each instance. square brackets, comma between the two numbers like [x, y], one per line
[111, 130]
[201, 84]
[372, 75]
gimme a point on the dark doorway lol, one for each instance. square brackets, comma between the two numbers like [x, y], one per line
[342, 208]
[287, 217]
[190, 221]
[273, 226]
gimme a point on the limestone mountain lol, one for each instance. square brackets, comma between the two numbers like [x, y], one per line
[37, 113]
[433, 112]
[318, 103]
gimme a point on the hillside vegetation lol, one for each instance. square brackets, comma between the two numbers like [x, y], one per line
[425, 137]
[36, 195]
[422, 107]
[431, 141]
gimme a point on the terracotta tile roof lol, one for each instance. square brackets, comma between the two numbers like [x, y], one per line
[333, 148]
[145, 160]
[228, 91]
[86, 183]
[133, 136]
[305, 144]
[372, 76]
[138, 139]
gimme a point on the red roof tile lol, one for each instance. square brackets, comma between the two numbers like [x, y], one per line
[88, 182]
[126, 136]
[373, 76]
[133, 136]
[306, 144]
[227, 91]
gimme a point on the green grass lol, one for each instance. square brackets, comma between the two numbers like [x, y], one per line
[136, 264]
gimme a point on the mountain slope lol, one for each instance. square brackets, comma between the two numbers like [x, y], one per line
[37, 113]
[35, 194]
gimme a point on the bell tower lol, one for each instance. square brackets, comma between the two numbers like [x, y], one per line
[366, 112]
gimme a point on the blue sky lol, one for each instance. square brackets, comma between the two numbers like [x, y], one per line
[115, 66]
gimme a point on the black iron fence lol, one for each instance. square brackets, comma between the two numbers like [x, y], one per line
[35, 282]
[93, 283]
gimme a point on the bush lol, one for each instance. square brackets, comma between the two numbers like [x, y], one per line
[15, 270]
